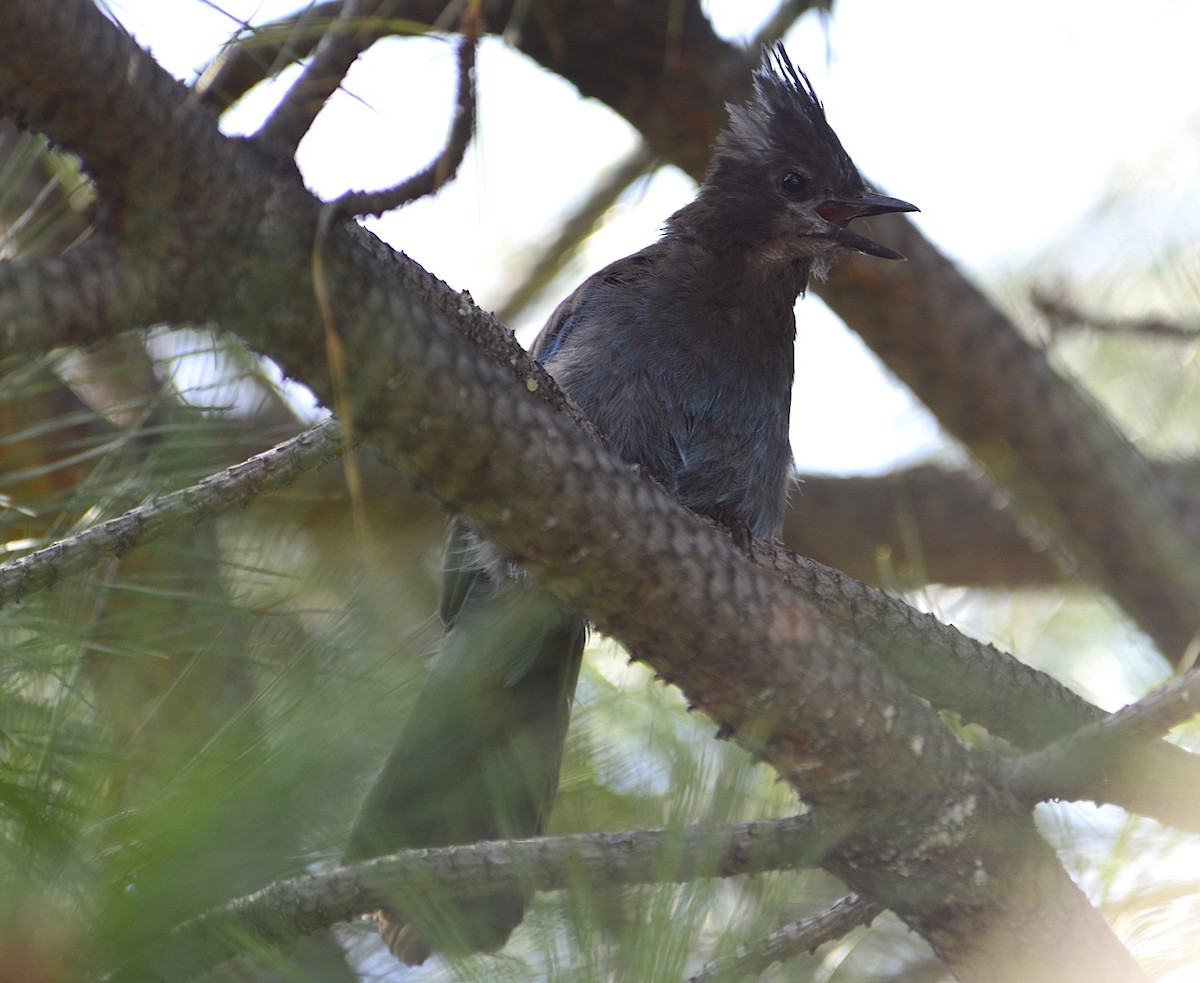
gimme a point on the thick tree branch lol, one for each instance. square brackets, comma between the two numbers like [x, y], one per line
[79, 298]
[932, 525]
[986, 686]
[445, 166]
[923, 525]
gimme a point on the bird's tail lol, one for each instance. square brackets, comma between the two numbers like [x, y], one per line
[479, 757]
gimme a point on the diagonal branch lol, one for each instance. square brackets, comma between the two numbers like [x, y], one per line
[1073, 762]
[233, 488]
[983, 685]
[288, 909]
[802, 936]
[337, 50]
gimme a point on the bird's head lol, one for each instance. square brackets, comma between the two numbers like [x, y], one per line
[781, 185]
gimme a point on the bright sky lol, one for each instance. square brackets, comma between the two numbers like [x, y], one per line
[1005, 125]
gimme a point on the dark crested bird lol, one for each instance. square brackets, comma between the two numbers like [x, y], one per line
[682, 355]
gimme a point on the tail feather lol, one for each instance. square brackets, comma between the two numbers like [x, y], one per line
[479, 756]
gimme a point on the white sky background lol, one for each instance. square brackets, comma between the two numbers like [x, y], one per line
[1004, 127]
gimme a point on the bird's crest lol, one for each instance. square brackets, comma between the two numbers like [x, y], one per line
[785, 116]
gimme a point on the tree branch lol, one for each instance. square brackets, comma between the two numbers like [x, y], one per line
[983, 685]
[805, 935]
[338, 49]
[1063, 314]
[86, 295]
[235, 487]
[286, 910]
[1057, 771]
[919, 526]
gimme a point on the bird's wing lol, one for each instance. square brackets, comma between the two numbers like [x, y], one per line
[622, 277]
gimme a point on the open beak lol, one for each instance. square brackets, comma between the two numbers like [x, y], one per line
[838, 211]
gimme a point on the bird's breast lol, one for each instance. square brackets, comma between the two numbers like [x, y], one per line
[711, 425]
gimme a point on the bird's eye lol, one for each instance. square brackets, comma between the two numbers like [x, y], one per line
[793, 183]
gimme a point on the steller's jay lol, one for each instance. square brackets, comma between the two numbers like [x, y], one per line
[681, 355]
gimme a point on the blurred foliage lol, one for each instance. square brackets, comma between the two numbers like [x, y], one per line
[200, 718]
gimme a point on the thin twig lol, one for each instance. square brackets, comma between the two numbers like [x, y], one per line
[233, 488]
[794, 939]
[263, 51]
[1062, 314]
[256, 53]
[446, 164]
[337, 50]
[784, 16]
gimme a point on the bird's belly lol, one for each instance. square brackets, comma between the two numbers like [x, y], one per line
[746, 485]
